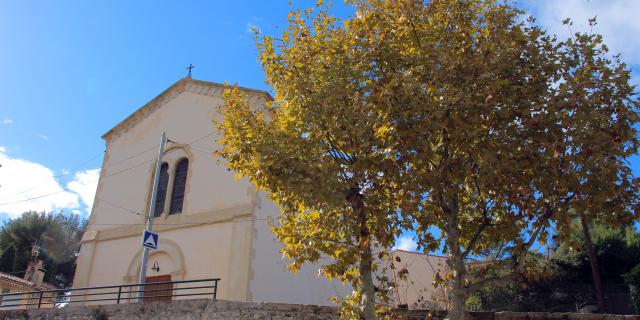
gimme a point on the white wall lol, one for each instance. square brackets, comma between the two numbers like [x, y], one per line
[213, 245]
[271, 282]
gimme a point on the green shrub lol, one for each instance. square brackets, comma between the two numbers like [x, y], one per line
[632, 278]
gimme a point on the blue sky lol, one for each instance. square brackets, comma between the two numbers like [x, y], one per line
[71, 70]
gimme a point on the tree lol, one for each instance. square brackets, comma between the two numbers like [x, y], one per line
[59, 237]
[317, 150]
[320, 151]
[519, 131]
[602, 108]
[459, 115]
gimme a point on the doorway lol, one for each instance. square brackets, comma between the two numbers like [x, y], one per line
[164, 290]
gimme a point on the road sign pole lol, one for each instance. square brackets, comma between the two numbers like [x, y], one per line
[152, 210]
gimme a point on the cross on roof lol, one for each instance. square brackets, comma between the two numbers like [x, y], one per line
[190, 67]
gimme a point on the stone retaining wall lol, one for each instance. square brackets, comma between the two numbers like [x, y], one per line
[179, 310]
[227, 310]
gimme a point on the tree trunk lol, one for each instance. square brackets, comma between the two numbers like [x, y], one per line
[368, 290]
[366, 258]
[458, 294]
[455, 261]
[593, 260]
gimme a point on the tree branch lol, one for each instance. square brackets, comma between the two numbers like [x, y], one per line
[485, 223]
[499, 281]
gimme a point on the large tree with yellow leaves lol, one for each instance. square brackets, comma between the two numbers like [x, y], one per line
[455, 114]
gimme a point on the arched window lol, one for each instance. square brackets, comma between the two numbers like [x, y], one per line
[179, 185]
[162, 189]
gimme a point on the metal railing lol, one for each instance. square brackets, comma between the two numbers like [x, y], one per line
[152, 291]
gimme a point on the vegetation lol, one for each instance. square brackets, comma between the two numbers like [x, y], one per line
[617, 249]
[58, 236]
[457, 115]
[561, 279]
[632, 278]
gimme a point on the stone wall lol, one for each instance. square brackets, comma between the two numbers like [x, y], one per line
[227, 310]
[179, 310]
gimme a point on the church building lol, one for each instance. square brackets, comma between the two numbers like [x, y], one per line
[210, 224]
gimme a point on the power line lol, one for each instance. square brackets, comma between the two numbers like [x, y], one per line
[232, 220]
[201, 223]
[201, 138]
[140, 214]
[190, 144]
[119, 207]
[150, 160]
[109, 175]
[178, 224]
[132, 156]
[63, 189]
[72, 171]
[123, 170]
[33, 198]
[76, 171]
[166, 224]
[202, 151]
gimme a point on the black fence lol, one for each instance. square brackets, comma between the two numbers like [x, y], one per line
[151, 291]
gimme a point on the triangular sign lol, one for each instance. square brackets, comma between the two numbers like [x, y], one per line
[150, 240]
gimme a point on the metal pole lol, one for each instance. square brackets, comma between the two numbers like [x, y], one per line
[152, 210]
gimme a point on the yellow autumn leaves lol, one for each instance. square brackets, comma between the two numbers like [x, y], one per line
[452, 114]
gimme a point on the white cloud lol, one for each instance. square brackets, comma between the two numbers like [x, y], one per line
[21, 180]
[84, 184]
[406, 243]
[43, 136]
[26, 185]
[7, 121]
[617, 21]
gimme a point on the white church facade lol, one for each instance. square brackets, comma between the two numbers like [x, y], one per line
[210, 224]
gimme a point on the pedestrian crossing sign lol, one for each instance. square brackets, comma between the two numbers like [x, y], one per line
[150, 240]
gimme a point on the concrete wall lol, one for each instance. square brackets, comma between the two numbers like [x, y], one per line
[226, 310]
[417, 291]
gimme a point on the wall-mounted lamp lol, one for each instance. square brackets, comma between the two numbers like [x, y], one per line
[155, 267]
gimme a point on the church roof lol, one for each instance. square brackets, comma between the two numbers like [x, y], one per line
[178, 87]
